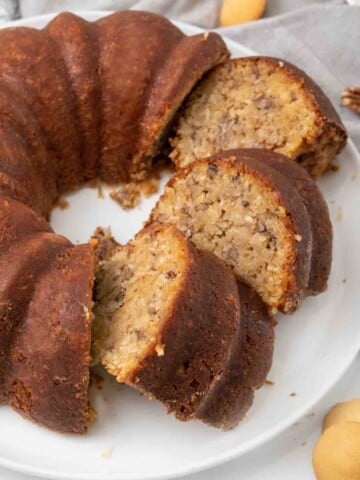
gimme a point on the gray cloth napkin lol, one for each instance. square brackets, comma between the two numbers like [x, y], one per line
[320, 36]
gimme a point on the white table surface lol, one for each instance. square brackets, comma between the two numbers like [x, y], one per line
[287, 457]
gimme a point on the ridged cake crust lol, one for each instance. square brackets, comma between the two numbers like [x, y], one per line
[32, 66]
[322, 236]
[178, 206]
[249, 361]
[27, 168]
[77, 41]
[44, 352]
[49, 375]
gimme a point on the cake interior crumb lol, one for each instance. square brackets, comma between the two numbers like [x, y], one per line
[108, 452]
[269, 382]
[246, 105]
[245, 227]
[134, 289]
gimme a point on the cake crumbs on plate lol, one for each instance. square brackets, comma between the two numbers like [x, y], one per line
[269, 382]
[100, 192]
[129, 195]
[344, 280]
[293, 394]
[340, 212]
[96, 380]
[62, 203]
[354, 176]
[107, 452]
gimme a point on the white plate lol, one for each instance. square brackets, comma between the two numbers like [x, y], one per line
[133, 438]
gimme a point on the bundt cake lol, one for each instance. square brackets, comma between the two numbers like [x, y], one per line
[259, 102]
[81, 100]
[77, 100]
[254, 217]
[169, 321]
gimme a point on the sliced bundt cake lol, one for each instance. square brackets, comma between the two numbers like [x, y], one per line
[77, 100]
[168, 322]
[251, 216]
[259, 102]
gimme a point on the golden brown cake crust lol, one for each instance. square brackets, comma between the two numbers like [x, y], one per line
[322, 236]
[26, 155]
[77, 41]
[51, 102]
[196, 338]
[335, 128]
[250, 358]
[157, 73]
[53, 389]
[44, 360]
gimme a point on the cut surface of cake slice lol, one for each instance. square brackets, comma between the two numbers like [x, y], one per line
[259, 102]
[235, 205]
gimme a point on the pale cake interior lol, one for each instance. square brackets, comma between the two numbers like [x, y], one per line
[234, 217]
[135, 291]
[249, 105]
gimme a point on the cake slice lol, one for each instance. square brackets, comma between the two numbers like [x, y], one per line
[251, 216]
[171, 322]
[259, 102]
[165, 318]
